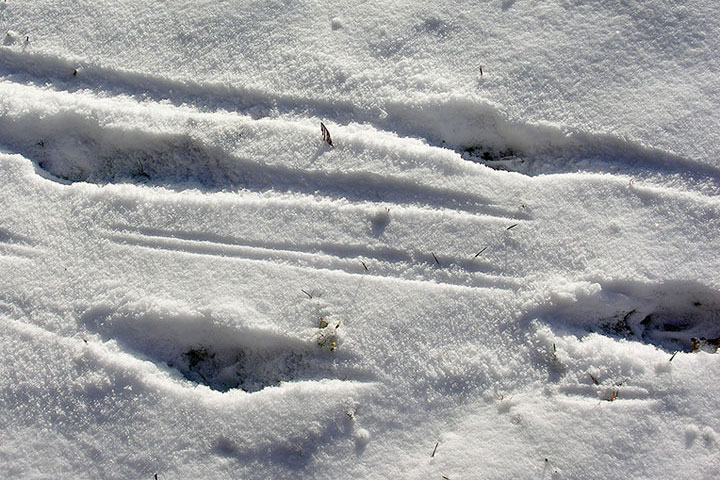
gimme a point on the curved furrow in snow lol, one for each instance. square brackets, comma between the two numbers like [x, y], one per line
[477, 130]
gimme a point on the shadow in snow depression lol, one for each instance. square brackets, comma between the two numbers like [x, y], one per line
[673, 316]
[220, 356]
[77, 149]
[599, 155]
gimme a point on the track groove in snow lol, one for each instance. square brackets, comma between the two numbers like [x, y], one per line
[44, 69]
[15, 246]
[605, 392]
[382, 262]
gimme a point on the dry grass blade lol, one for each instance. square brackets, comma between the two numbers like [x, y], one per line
[326, 134]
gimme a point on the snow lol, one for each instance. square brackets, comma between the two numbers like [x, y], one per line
[512, 274]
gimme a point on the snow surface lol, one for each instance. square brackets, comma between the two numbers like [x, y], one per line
[506, 275]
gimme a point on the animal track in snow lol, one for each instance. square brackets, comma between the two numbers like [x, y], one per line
[689, 327]
[216, 353]
[673, 316]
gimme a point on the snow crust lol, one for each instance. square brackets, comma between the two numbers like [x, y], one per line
[511, 274]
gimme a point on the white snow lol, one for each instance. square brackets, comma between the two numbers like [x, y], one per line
[511, 274]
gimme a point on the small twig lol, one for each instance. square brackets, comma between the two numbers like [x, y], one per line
[512, 226]
[306, 293]
[594, 379]
[673, 356]
[435, 257]
[481, 251]
[366, 267]
[435, 449]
